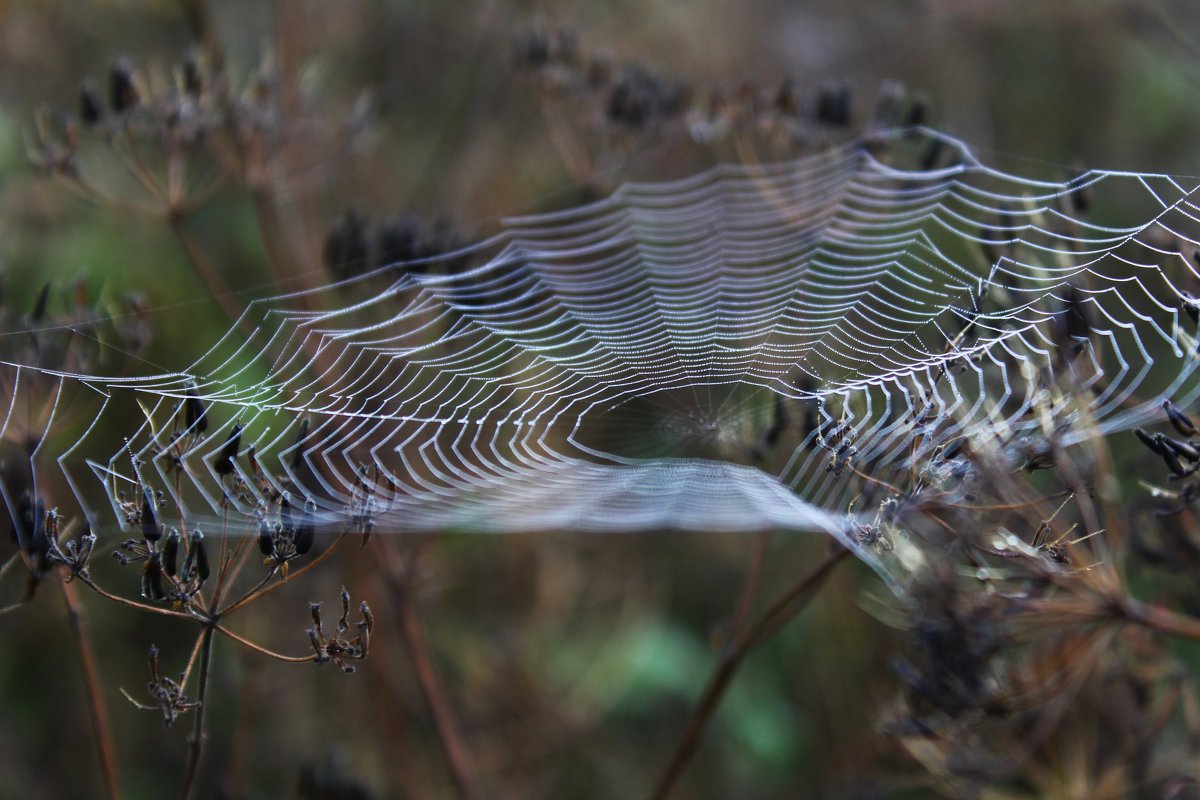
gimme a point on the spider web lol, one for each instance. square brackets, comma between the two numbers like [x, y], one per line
[723, 352]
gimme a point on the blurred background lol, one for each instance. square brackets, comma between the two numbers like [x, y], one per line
[570, 662]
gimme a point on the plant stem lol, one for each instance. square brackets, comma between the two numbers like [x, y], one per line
[765, 625]
[400, 577]
[196, 742]
[101, 731]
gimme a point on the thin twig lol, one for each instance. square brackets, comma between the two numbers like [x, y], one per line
[765, 625]
[258, 648]
[116, 598]
[101, 730]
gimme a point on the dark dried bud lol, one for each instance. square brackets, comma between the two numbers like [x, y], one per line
[1168, 455]
[306, 532]
[200, 552]
[170, 553]
[316, 645]
[152, 579]
[1179, 420]
[228, 456]
[344, 620]
[298, 452]
[1146, 439]
[195, 418]
[266, 539]
[1182, 449]
[315, 610]
[122, 94]
[89, 105]
[150, 528]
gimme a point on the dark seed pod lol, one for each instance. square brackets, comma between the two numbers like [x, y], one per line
[122, 94]
[285, 514]
[195, 417]
[1146, 439]
[170, 554]
[1168, 455]
[201, 555]
[228, 457]
[89, 105]
[306, 533]
[152, 580]
[301, 437]
[1182, 449]
[266, 539]
[1179, 420]
[150, 529]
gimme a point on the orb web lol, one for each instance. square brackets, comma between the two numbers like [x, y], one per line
[724, 352]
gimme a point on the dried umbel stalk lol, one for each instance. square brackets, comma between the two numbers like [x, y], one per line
[339, 647]
[167, 694]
